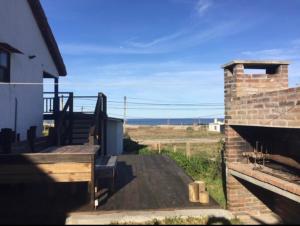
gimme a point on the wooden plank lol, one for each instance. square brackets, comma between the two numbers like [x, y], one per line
[46, 168]
[30, 178]
[71, 177]
[92, 183]
[36, 158]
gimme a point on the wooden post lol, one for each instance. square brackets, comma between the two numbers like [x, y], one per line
[193, 192]
[91, 184]
[174, 148]
[188, 149]
[159, 148]
[6, 140]
[204, 197]
[62, 101]
[56, 101]
[31, 136]
[201, 185]
[125, 113]
[71, 110]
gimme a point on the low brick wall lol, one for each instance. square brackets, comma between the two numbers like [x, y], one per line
[272, 109]
[247, 169]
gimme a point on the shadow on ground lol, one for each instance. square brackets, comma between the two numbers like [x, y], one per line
[131, 146]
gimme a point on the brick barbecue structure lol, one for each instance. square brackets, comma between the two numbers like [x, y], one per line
[262, 150]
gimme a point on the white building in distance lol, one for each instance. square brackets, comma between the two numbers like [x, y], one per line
[216, 126]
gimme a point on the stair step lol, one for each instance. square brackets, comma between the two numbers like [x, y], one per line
[81, 130]
[84, 116]
[80, 136]
[79, 141]
[82, 121]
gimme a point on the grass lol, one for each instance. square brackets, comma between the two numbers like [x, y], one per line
[209, 150]
[206, 166]
[187, 221]
[156, 132]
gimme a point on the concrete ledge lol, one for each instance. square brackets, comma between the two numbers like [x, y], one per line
[256, 63]
[267, 186]
[102, 217]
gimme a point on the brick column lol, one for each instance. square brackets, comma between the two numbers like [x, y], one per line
[239, 199]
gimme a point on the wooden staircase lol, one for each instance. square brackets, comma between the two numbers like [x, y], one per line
[77, 128]
[82, 124]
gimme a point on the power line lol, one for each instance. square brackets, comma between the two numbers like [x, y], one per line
[143, 117]
[183, 109]
[170, 104]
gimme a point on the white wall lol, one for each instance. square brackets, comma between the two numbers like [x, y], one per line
[214, 127]
[19, 29]
[114, 136]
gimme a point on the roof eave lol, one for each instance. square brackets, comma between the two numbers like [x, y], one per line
[48, 36]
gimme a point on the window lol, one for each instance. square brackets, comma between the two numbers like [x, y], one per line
[4, 66]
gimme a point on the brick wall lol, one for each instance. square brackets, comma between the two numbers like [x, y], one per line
[241, 199]
[272, 109]
[255, 101]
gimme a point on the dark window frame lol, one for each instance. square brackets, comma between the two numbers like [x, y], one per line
[6, 69]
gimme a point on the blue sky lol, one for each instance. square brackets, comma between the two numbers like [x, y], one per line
[168, 51]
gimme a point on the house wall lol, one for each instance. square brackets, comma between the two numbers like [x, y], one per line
[19, 29]
[114, 136]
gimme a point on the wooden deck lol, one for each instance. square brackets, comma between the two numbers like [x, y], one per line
[57, 164]
[150, 182]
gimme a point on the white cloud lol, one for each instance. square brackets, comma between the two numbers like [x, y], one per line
[185, 38]
[287, 53]
[290, 53]
[202, 6]
[157, 80]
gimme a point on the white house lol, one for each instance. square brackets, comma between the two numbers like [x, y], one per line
[28, 53]
[216, 126]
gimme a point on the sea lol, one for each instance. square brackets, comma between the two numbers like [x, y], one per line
[171, 121]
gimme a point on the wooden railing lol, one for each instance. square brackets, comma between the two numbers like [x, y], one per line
[54, 102]
[64, 123]
[100, 123]
[61, 108]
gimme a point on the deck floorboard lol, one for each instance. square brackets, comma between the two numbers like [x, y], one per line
[150, 182]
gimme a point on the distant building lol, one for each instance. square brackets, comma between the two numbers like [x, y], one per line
[216, 126]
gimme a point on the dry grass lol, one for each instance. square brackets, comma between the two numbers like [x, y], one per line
[186, 221]
[156, 132]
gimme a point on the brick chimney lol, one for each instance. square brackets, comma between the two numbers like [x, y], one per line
[237, 83]
[242, 93]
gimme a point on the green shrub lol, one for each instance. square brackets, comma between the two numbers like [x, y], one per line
[200, 167]
[190, 129]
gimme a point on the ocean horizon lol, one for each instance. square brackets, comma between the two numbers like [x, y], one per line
[170, 121]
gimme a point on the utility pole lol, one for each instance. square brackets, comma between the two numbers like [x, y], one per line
[125, 113]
